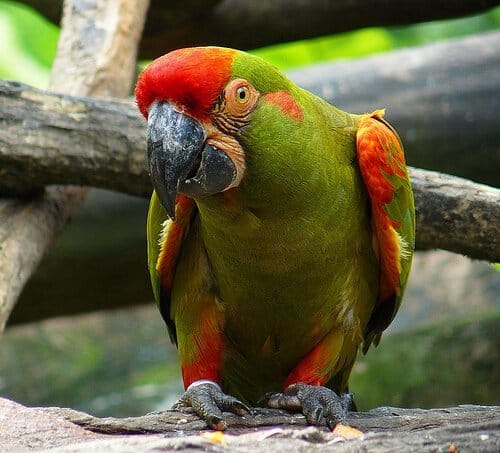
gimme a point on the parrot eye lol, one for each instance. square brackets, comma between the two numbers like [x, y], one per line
[241, 98]
[242, 94]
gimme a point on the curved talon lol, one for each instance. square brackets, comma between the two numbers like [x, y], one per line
[317, 403]
[208, 400]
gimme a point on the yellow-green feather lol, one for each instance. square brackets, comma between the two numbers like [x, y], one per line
[156, 218]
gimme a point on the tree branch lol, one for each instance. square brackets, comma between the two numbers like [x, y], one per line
[247, 24]
[101, 143]
[461, 428]
[457, 215]
[96, 56]
[47, 138]
[443, 102]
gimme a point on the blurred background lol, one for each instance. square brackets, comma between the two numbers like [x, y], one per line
[87, 335]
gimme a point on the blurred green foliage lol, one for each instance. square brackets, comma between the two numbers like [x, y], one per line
[372, 40]
[29, 42]
[451, 362]
[119, 363]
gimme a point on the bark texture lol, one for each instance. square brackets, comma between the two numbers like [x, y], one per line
[96, 57]
[105, 146]
[247, 24]
[442, 101]
[386, 429]
[47, 138]
[459, 215]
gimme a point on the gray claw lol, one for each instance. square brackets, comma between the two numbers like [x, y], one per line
[316, 402]
[208, 401]
[231, 404]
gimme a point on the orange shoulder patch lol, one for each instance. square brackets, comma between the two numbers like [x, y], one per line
[380, 156]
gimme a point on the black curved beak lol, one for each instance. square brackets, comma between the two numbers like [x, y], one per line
[179, 159]
[174, 141]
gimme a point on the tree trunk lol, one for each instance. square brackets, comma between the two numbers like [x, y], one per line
[96, 56]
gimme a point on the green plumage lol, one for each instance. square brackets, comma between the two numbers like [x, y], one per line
[288, 255]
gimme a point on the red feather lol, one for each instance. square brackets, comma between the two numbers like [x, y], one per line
[191, 78]
[380, 156]
[288, 105]
[208, 341]
[173, 241]
[311, 369]
[206, 336]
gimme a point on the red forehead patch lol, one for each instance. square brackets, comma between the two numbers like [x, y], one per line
[191, 78]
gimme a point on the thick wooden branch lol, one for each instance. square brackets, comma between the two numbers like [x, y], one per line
[96, 56]
[462, 428]
[247, 24]
[381, 419]
[46, 138]
[101, 143]
[442, 101]
[456, 215]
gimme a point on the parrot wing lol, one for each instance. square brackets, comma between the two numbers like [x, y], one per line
[383, 168]
[165, 239]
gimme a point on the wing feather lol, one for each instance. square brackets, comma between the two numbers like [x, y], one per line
[165, 239]
[381, 160]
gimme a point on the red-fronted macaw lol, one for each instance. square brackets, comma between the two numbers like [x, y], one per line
[280, 232]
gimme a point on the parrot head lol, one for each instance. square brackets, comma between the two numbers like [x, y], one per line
[199, 103]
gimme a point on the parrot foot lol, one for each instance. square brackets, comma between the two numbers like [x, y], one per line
[208, 401]
[317, 403]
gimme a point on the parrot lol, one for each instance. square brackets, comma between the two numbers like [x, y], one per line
[280, 233]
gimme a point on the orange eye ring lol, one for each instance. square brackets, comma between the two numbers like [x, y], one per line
[241, 97]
